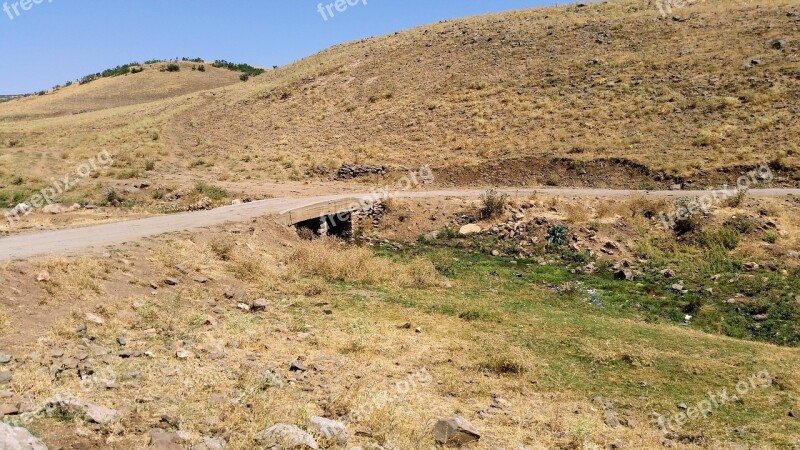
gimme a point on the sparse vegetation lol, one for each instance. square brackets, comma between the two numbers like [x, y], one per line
[246, 69]
[214, 193]
[493, 204]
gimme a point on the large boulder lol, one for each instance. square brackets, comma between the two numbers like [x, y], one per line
[467, 230]
[455, 431]
[286, 437]
[16, 438]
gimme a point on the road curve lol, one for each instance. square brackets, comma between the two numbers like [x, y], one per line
[92, 238]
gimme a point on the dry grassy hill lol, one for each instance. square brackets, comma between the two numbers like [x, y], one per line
[601, 94]
[113, 92]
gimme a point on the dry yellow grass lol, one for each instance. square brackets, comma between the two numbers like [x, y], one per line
[337, 261]
[671, 96]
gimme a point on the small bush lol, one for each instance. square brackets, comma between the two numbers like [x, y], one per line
[197, 163]
[557, 236]
[210, 191]
[126, 174]
[493, 204]
[149, 165]
[202, 68]
[111, 198]
[725, 237]
[740, 223]
[172, 68]
[244, 77]
[737, 200]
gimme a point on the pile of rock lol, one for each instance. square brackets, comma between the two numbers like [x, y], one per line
[350, 171]
[374, 213]
[202, 204]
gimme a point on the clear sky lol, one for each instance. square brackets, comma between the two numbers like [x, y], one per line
[53, 41]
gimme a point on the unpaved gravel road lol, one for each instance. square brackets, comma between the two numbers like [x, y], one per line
[96, 237]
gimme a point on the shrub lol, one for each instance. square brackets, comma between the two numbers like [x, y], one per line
[126, 174]
[244, 68]
[210, 191]
[738, 199]
[202, 68]
[557, 236]
[493, 204]
[771, 237]
[725, 237]
[740, 223]
[244, 77]
[149, 165]
[172, 68]
[686, 218]
[112, 198]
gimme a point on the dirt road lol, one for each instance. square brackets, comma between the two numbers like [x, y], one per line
[96, 237]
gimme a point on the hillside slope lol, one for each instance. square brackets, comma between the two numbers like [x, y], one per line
[112, 92]
[679, 96]
[605, 94]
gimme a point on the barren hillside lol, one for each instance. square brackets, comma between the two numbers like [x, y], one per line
[565, 95]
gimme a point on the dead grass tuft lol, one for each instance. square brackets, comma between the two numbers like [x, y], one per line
[336, 261]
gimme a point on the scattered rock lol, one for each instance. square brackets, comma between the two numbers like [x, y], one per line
[467, 230]
[259, 305]
[455, 430]
[210, 444]
[162, 440]
[298, 366]
[751, 266]
[94, 318]
[122, 341]
[201, 279]
[171, 282]
[183, 354]
[16, 438]
[5, 377]
[93, 413]
[182, 269]
[43, 276]
[624, 274]
[610, 418]
[234, 294]
[777, 44]
[363, 431]
[55, 208]
[500, 403]
[331, 429]
[286, 437]
[5, 359]
[667, 273]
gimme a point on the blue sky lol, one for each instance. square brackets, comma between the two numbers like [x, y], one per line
[59, 40]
